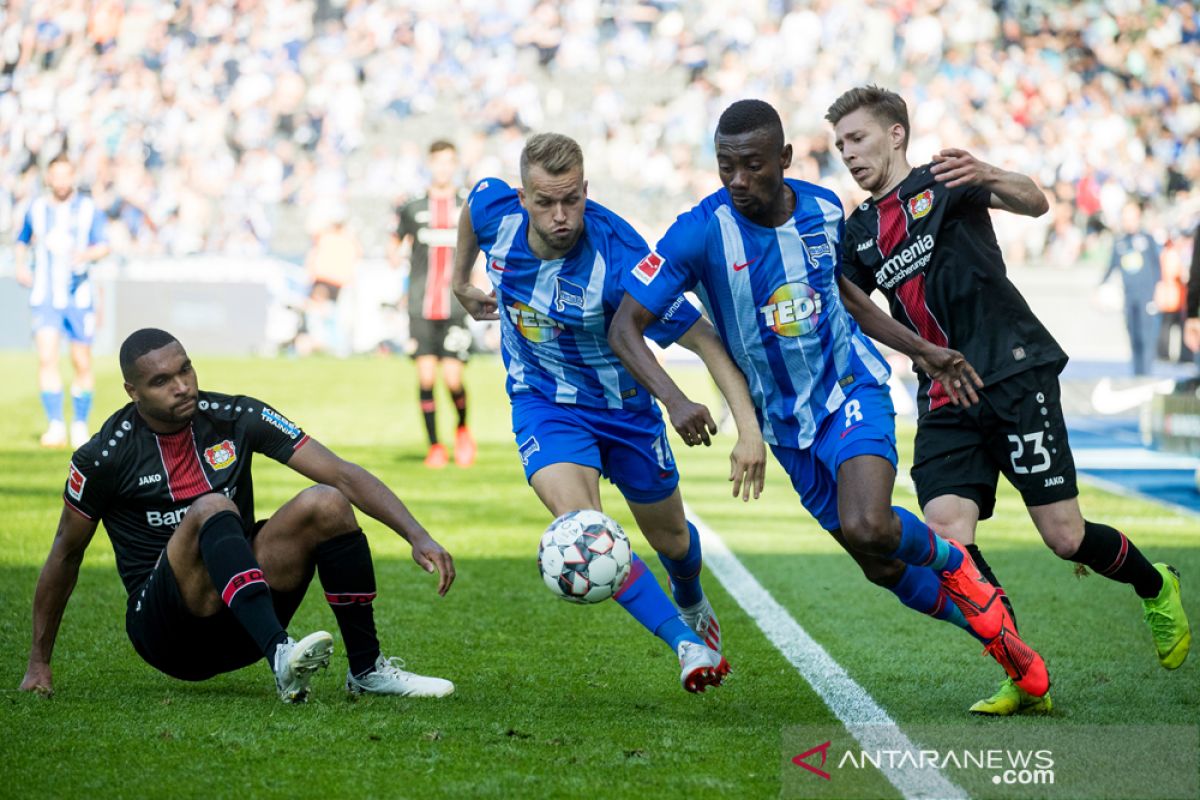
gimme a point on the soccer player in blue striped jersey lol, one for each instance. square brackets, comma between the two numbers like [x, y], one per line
[555, 260]
[65, 230]
[763, 254]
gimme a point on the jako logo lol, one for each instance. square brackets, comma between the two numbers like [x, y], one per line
[823, 749]
[145, 480]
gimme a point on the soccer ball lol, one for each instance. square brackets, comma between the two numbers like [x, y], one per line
[584, 556]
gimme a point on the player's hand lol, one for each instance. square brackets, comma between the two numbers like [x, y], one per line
[692, 422]
[38, 679]
[431, 557]
[955, 167]
[952, 370]
[24, 277]
[479, 304]
[1191, 334]
[748, 465]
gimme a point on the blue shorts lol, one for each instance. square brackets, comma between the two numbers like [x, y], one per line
[864, 425]
[79, 324]
[628, 447]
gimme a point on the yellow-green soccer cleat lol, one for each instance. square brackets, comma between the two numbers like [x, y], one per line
[1011, 699]
[1168, 621]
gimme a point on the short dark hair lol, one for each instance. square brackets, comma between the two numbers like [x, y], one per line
[886, 106]
[138, 343]
[746, 116]
[441, 144]
[60, 158]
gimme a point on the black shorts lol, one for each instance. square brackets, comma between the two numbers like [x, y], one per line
[444, 338]
[1017, 428]
[171, 639]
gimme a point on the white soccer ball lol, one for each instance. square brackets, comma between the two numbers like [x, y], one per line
[584, 556]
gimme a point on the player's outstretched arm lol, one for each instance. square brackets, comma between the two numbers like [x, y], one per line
[478, 303]
[1011, 191]
[948, 367]
[317, 462]
[54, 588]
[626, 336]
[748, 460]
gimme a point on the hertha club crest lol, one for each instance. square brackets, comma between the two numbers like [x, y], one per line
[220, 456]
[919, 205]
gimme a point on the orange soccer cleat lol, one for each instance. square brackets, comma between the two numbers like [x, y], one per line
[464, 447]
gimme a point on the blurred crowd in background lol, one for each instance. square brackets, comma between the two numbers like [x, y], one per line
[250, 127]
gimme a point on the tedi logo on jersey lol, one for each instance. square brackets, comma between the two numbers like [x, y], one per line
[277, 420]
[532, 324]
[220, 456]
[568, 294]
[793, 309]
[919, 205]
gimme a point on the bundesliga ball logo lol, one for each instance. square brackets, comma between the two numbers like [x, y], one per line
[584, 556]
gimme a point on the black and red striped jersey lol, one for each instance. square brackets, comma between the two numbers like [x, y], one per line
[140, 483]
[932, 251]
[432, 222]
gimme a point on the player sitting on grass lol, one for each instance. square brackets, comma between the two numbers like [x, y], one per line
[555, 259]
[210, 590]
[765, 255]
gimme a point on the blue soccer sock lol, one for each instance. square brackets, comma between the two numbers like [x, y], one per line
[52, 402]
[685, 572]
[921, 547]
[920, 590]
[645, 600]
[81, 404]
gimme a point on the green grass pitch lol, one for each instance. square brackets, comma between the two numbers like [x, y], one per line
[553, 700]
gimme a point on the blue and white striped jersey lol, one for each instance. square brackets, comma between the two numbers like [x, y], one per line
[59, 232]
[554, 315]
[773, 297]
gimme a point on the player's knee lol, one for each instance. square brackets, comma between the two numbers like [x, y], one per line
[867, 529]
[883, 573]
[327, 509]
[207, 506]
[1062, 541]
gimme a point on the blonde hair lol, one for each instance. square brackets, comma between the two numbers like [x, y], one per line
[886, 106]
[553, 152]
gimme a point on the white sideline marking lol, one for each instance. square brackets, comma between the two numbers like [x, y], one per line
[848, 701]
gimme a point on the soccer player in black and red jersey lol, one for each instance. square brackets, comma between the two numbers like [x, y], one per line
[437, 321]
[925, 239]
[211, 591]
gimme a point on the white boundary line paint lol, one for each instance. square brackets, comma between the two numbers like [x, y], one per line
[863, 717]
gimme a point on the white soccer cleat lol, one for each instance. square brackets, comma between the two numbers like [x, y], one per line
[700, 667]
[296, 661]
[79, 434]
[389, 678]
[703, 621]
[55, 435]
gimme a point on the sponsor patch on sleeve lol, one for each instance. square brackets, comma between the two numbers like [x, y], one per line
[277, 420]
[648, 268]
[75, 482]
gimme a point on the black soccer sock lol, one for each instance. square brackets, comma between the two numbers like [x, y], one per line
[1108, 552]
[459, 397]
[985, 570]
[429, 409]
[348, 578]
[235, 573]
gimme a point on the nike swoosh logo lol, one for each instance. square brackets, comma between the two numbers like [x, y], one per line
[496, 266]
[740, 267]
[1107, 400]
[852, 427]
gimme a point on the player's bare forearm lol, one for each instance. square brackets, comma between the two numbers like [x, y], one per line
[626, 336]
[478, 303]
[371, 496]
[948, 367]
[54, 587]
[1011, 191]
